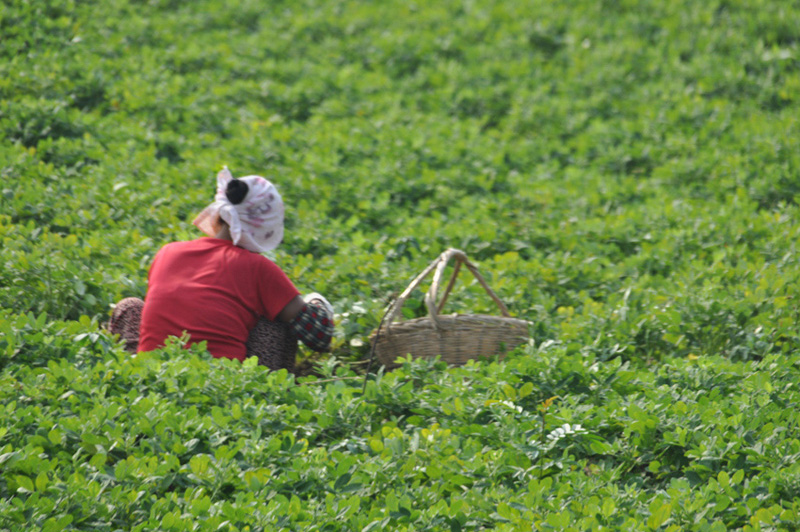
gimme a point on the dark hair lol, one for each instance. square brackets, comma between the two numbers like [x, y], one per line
[236, 191]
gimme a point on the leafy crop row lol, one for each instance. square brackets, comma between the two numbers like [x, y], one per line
[171, 440]
[611, 147]
[625, 173]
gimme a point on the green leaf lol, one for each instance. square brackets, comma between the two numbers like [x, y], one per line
[98, 460]
[458, 404]
[660, 516]
[25, 483]
[9, 459]
[57, 525]
[200, 506]
[353, 486]
[608, 508]
[433, 470]
[41, 482]
[80, 288]
[509, 392]
[295, 506]
[341, 482]
[55, 436]
[559, 520]
[525, 390]
[121, 470]
[505, 511]
[199, 464]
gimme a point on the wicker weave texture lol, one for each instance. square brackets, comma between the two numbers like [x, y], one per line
[455, 338]
[460, 338]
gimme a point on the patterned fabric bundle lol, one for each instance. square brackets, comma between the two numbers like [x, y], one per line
[314, 325]
[256, 224]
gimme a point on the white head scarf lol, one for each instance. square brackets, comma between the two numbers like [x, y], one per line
[256, 223]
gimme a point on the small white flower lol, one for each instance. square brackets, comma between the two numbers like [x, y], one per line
[565, 430]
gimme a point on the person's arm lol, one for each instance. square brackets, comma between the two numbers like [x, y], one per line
[311, 318]
[290, 311]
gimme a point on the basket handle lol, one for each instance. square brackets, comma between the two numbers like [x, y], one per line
[430, 297]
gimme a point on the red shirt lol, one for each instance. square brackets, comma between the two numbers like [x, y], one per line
[213, 290]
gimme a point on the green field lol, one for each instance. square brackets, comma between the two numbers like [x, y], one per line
[626, 175]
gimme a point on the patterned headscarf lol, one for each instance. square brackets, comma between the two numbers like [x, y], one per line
[256, 223]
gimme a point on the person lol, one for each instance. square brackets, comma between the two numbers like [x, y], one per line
[221, 290]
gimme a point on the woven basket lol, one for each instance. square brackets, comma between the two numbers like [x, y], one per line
[455, 338]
